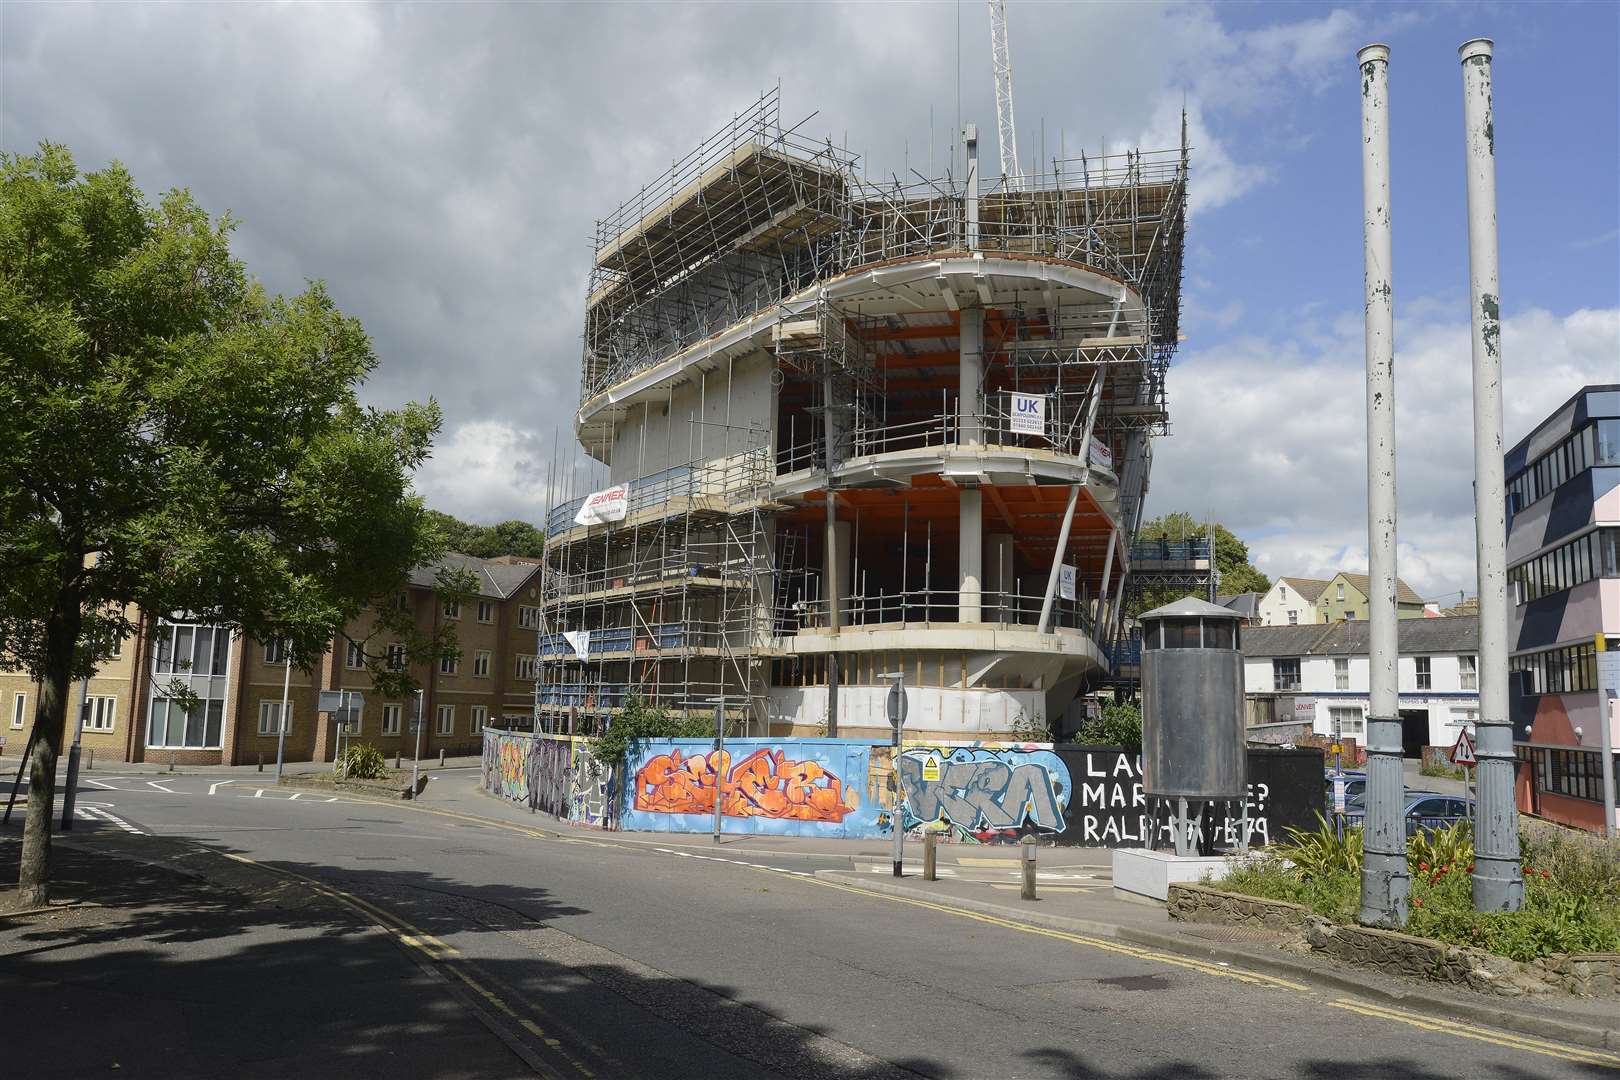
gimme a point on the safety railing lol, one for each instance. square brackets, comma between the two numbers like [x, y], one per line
[924, 607]
[1170, 550]
[994, 427]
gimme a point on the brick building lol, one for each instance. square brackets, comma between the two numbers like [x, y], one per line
[238, 682]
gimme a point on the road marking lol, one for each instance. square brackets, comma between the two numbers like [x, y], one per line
[156, 785]
[436, 951]
[212, 788]
[94, 813]
[99, 784]
[291, 798]
[1469, 1031]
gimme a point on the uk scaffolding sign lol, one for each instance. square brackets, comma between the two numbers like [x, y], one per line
[1028, 414]
[601, 507]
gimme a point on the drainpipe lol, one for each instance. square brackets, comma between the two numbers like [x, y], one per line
[1498, 883]
[1385, 880]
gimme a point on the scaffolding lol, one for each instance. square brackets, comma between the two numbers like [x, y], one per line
[670, 606]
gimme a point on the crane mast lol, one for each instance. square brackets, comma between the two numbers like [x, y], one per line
[1002, 63]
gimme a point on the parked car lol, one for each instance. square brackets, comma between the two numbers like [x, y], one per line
[1425, 811]
[1355, 783]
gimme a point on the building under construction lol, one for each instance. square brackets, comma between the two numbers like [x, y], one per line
[856, 428]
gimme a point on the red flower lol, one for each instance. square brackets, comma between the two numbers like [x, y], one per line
[1417, 903]
[1545, 874]
[1527, 871]
[1423, 866]
[1470, 868]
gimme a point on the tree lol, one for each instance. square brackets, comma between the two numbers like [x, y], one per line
[1117, 723]
[174, 439]
[1237, 574]
[489, 541]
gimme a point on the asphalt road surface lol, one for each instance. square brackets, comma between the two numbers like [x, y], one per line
[593, 956]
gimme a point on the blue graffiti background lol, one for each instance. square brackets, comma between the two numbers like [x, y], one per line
[983, 789]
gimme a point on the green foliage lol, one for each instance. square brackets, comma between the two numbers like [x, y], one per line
[1442, 769]
[637, 720]
[488, 541]
[1237, 574]
[1572, 889]
[173, 438]
[1119, 723]
[364, 762]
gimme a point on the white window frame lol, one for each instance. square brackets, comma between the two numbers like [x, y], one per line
[486, 611]
[481, 663]
[1341, 673]
[528, 617]
[1339, 593]
[102, 713]
[480, 719]
[396, 656]
[354, 656]
[451, 609]
[1423, 673]
[449, 665]
[19, 709]
[1468, 672]
[525, 667]
[275, 652]
[269, 709]
[392, 715]
[1276, 673]
[1293, 617]
[446, 715]
[1344, 724]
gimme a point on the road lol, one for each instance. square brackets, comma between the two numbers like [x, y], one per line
[602, 956]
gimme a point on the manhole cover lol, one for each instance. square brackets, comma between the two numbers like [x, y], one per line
[1230, 933]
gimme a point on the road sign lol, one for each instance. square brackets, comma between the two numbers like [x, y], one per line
[1028, 414]
[1463, 753]
[897, 704]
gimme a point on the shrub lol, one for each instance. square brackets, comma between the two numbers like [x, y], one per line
[1452, 845]
[637, 720]
[1118, 724]
[364, 762]
[1324, 850]
[1441, 769]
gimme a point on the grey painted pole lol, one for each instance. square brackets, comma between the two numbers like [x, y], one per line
[1498, 882]
[71, 787]
[1057, 560]
[416, 758]
[1385, 880]
[1608, 689]
[719, 764]
[281, 723]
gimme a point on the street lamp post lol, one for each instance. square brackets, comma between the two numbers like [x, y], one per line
[416, 758]
[719, 762]
[897, 722]
[73, 756]
[281, 725]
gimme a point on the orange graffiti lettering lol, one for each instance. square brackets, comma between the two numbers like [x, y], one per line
[763, 784]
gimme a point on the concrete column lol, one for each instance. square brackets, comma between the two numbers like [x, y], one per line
[970, 559]
[838, 569]
[969, 405]
[999, 577]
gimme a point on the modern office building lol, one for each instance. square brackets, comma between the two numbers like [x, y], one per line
[850, 428]
[1563, 491]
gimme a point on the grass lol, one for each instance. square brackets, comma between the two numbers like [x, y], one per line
[1572, 888]
[1441, 769]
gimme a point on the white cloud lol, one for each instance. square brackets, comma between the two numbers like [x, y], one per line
[1269, 434]
[486, 471]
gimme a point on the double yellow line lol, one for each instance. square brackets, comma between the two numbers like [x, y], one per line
[1462, 1030]
[434, 950]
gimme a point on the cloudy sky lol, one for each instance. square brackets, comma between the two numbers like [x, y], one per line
[441, 165]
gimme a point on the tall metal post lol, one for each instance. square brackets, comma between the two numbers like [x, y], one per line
[73, 757]
[1385, 880]
[416, 758]
[1498, 881]
[1608, 665]
[895, 706]
[1052, 576]
[281, 723]
[719, 764]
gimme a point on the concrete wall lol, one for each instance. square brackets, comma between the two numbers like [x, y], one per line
[692, 424]
[932, 711]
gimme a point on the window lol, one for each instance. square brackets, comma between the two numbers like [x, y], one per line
[270, 715]
[1468, 672]
[525, 667]
[480, 717]
[172, 726]
[275, 652]
[390, 719]
[1293, 618]
[1340, 591]
[1424, 682]
[1285, 673]
[396, 656]
[481, 664]
[1580, 560]
[449, 665]
[1566, 670]
[1347, 721]
[1341, 673]
[1595, 444]
[529, 617]
[447, 719]
[354, 657]
[486, 611]
[452, 609]
[1350, 615]
[1282, 592]
[19, 709]
[100, 714]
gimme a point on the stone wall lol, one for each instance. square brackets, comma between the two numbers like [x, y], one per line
[1394, 953]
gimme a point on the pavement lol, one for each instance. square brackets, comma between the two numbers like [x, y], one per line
[554, 950]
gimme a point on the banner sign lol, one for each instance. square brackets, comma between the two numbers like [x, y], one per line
[1101, 454]
[1028, 414]
[1066, 581]
[601, 507]
[579, 641]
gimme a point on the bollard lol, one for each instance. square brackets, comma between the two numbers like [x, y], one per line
[171, 761]
[930, 843]
[1028, 849]
[261, 761]
[441, 757]
[398, 756]
[92, 766]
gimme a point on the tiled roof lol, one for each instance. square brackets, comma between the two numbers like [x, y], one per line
[1404, 593]
[1246, 604]
[496, 578]
[1309, 588]
[1447, 634]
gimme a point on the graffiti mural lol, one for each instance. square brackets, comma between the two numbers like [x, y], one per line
[809, 787]
[984, 793]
